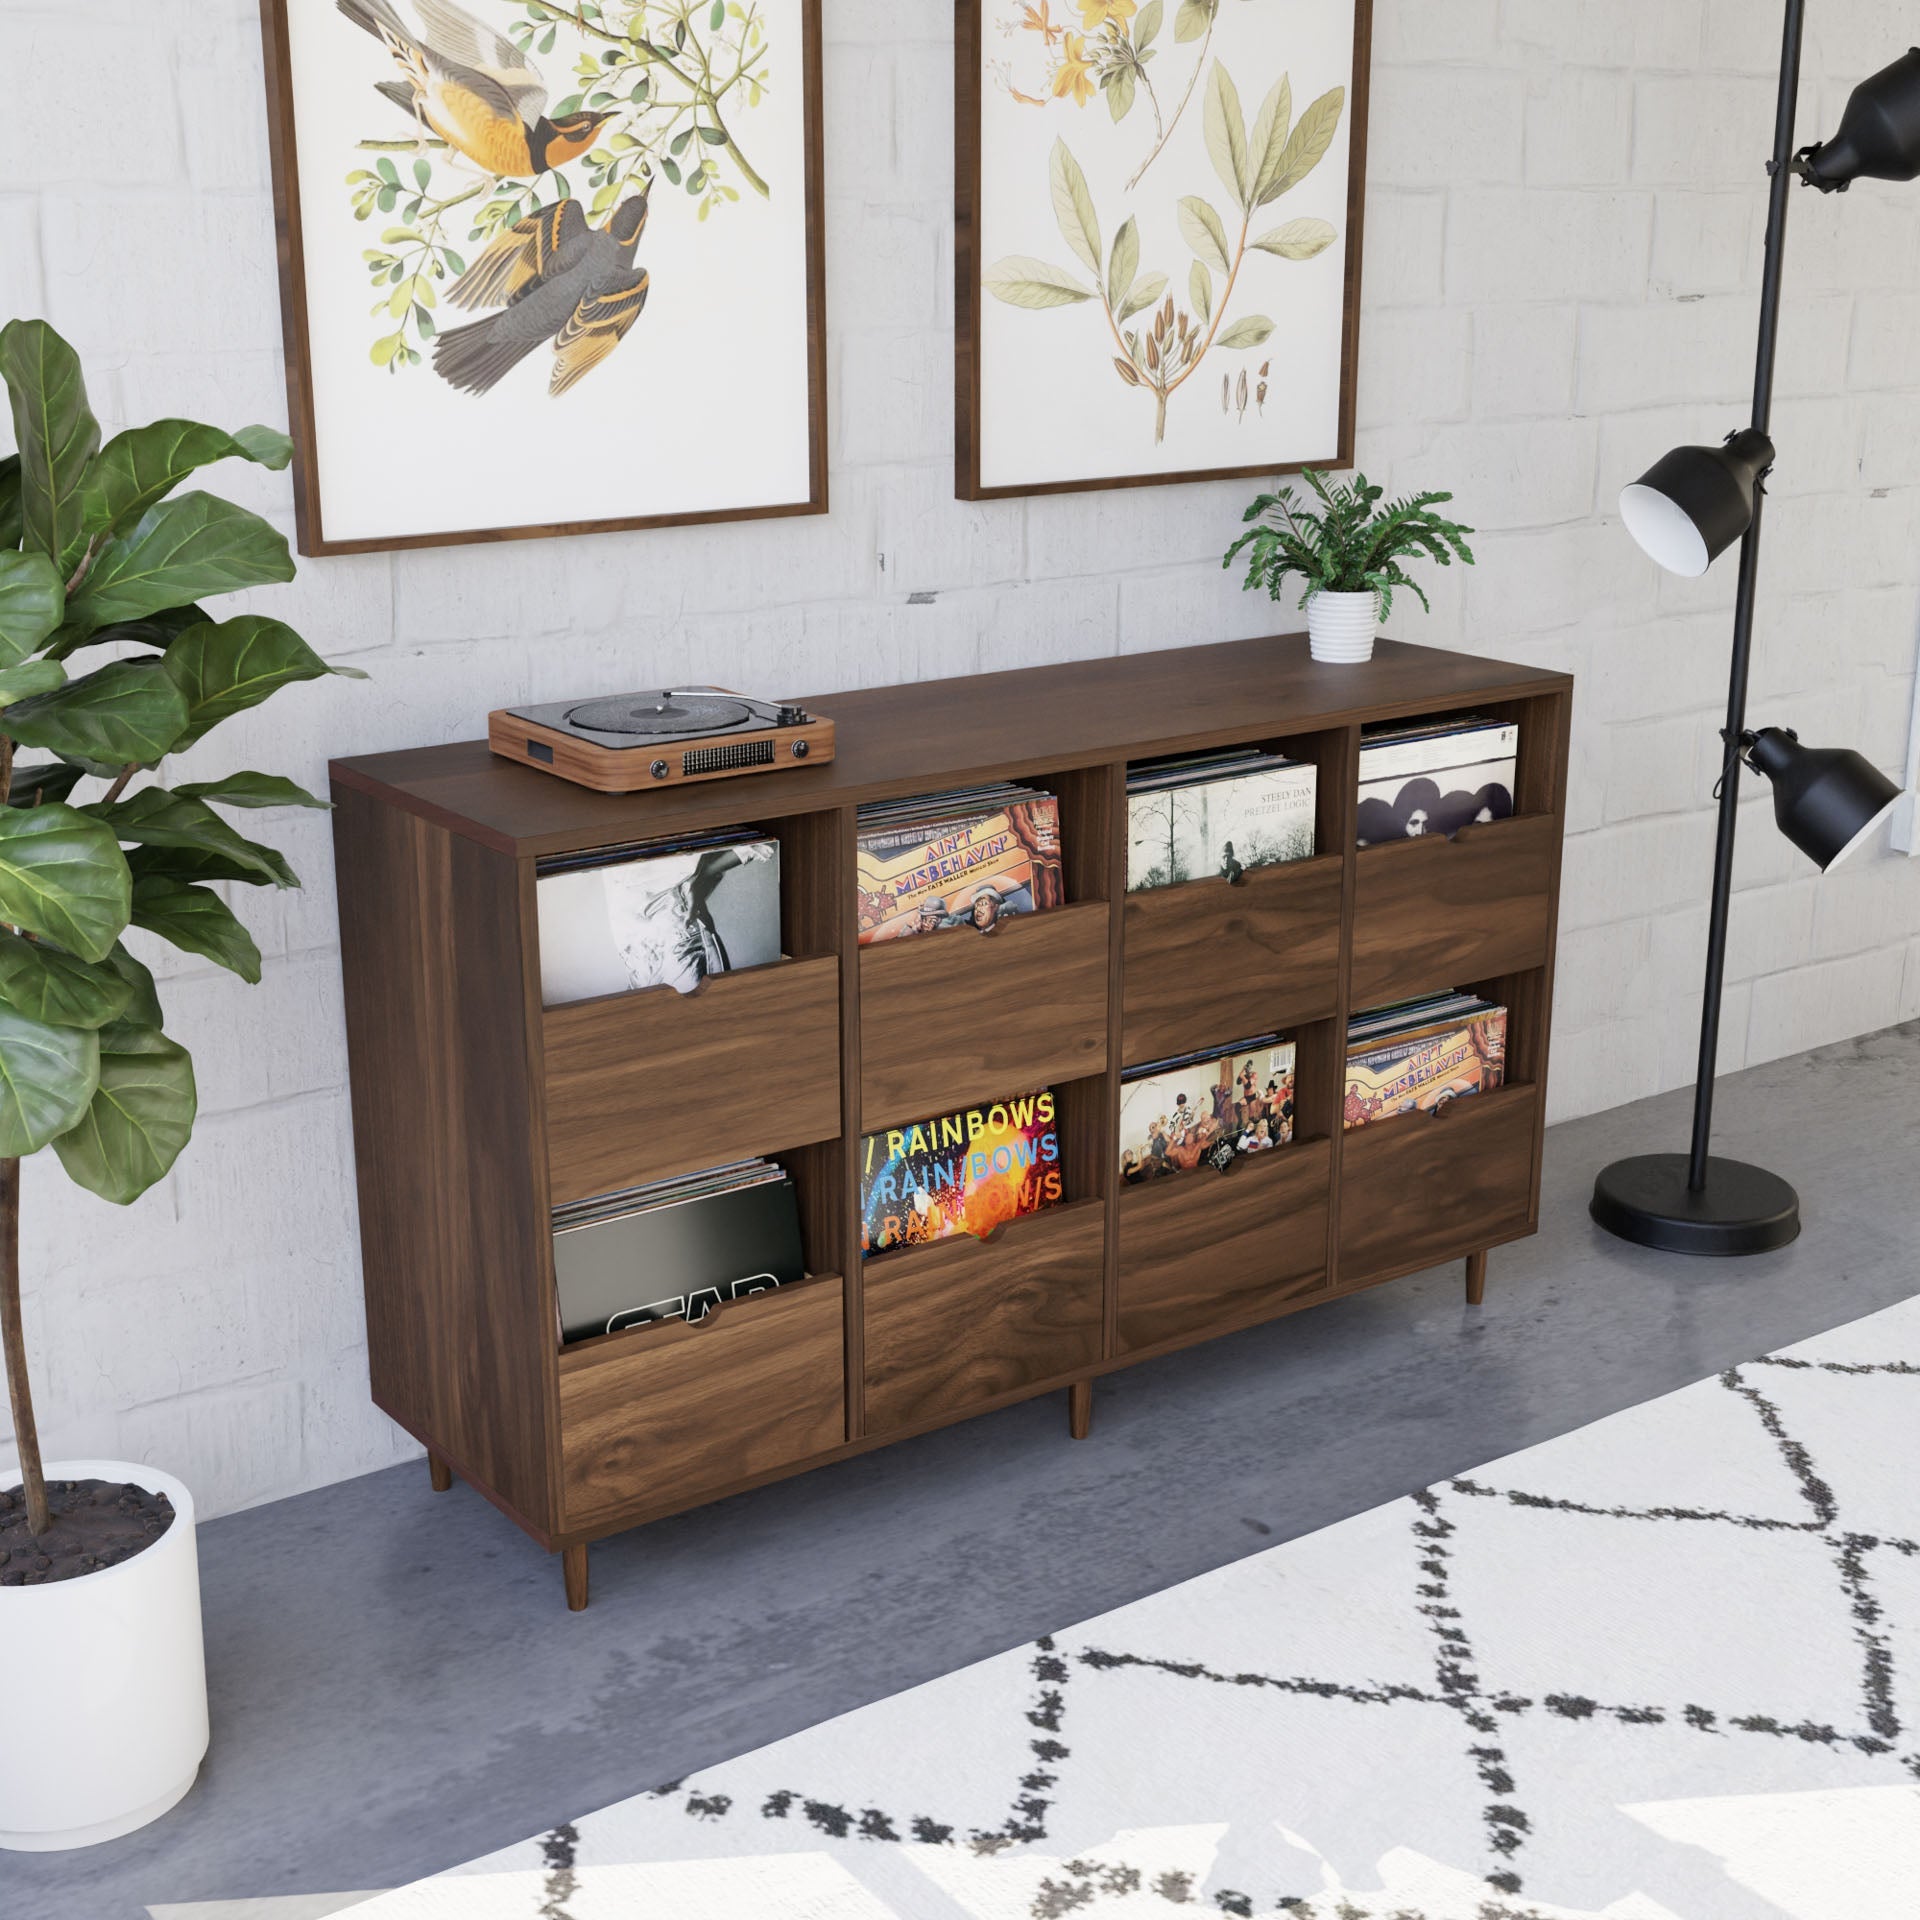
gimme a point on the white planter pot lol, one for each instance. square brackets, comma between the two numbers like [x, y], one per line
[106, 1685]
[1340, 627]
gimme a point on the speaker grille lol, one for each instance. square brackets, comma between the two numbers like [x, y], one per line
[748, 753]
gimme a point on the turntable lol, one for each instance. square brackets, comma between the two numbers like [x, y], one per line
[633, 740]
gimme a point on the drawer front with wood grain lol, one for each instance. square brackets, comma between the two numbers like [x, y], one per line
[758, 1049]
[1208, 962]
[961, 1322]
[666, 1416]
[950, 1018]
[1434, 913]
[1207, 1250]
[1428, 1187]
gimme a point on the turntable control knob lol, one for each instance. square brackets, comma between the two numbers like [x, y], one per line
[658, 769]
[799, 749]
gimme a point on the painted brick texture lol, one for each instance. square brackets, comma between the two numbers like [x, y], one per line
[1562, 260]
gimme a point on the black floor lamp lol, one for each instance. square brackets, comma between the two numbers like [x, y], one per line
[1685, 511]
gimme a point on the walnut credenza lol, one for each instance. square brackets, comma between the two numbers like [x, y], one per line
[476, 1111]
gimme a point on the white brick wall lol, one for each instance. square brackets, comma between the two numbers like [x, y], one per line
[1562, 254]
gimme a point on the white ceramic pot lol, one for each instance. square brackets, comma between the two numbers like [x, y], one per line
[1340, 627]
[106, 1684]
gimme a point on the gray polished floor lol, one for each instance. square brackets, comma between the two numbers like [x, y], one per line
[397, 1685]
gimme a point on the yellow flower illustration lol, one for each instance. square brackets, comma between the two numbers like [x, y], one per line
[1072, 75]
[1095, 14]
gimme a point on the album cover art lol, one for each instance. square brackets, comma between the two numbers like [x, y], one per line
[1223, 825]
[921, 876]
[1417, 782]
[648, 919]
[1181, 1114]
[1415, 1072]
[964, 1172]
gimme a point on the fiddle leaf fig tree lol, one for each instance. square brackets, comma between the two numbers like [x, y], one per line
[109, 662]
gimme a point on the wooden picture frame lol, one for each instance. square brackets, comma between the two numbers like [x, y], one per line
[975, 250]
[316, 533]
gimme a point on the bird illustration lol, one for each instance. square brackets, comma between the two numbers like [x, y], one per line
[556, 278]
[474, 88]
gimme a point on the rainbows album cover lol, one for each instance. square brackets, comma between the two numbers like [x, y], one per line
[964, 1172]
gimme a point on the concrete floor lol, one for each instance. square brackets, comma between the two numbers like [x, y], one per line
[397, 1685]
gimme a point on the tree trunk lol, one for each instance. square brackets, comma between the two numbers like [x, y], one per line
[13, 1336]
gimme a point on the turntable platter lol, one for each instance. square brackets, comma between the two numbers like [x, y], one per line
[662, 716]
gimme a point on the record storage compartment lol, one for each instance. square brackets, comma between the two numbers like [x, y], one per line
[476, 1109]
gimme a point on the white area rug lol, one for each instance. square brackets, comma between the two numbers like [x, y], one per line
[1663, 1668]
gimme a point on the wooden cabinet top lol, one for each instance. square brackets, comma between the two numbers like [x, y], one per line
[930, 734]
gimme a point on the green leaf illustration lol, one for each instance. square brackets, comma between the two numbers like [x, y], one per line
[1124, 265]
[47, 1078]
[1200, 292]
[1073, 207]
[197, 921]
[136, 469]
[1022, 282]
[1193, 19]
[1120, 93]
[32, 599]
[254, 790]
[63, 876]
[1146, 25]
[1226, 131]
[1146, 290]
[129, 712]
[1248, 332]
[1269, 141]
[1200, 227]
[1306, 146]
[139, 1118]
[1298, 239]
[222, 670]
[54, 430]
[55, 988]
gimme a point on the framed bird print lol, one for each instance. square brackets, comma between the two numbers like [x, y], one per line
[1158, 239]
[547, 268]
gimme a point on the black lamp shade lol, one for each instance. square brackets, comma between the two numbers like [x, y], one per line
[1692, 504]
[1827, 800]
[1879, 134]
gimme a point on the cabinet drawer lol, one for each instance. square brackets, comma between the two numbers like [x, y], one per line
[955, 1017]
[961, 1322]
[1435, 913]
[1210, 962]
[661, 1418]
[1205, 1249]
[638, 1084]
[1432, 1186]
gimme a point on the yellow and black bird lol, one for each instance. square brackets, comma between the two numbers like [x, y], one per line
[556, 278]
[474, 88]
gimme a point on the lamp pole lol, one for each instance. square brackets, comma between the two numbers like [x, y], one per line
[1781, 169]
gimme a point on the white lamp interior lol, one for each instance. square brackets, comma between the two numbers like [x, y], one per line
[1860, 839]
[1663, 531]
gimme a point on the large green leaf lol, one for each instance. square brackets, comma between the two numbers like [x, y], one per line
[128, 712]
[28, 679]
[1073, 207]
[143, 1004]
[197, 921]
[157, 630]
[256, 868]
[32, 598]
[254, 790]
[1024, 282]
[47, 1078]
[176, 551]
[46, 780]
[1123, 266]
[56, 989]
[1145, 293]
[155, 817]
[1269, 140]
[222, 670]
[1306, 146]
[1193, 19]
[139, 1118]
[1298, 239]
[54, 430]
[1253, 331]
[64, 876]
[143, 465]
[1147, 25]
[1201, 229]
[9, 501]
[1226, 134]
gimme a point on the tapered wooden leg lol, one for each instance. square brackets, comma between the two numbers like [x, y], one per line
[1476, 1278]
[440, 1473]
[1080, 1409]
[573, 1565]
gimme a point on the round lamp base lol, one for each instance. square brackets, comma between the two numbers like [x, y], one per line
[1741, 1209]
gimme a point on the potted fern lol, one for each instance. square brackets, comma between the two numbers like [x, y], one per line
[108, 664]
[1350, 554]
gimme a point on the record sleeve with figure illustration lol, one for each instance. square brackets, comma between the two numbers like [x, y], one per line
[1422, 1054]
[957, 859]
[1205, 1109]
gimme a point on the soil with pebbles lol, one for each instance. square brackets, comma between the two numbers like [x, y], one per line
[96, 1525]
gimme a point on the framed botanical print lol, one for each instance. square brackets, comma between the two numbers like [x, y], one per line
[547, 268]
[1158, 239]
